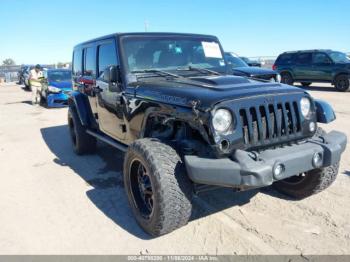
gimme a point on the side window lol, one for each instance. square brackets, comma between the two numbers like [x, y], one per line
[320, 58]
[77, 62]
[106, 57]
[285, 59]
[90, 61]
[304, 58]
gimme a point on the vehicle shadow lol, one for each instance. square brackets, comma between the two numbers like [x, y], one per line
[27, 102]
[347, 172]
[103, 172]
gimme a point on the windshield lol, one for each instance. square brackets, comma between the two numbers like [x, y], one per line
[339, 57]
[59, 76]
[235, 61]
[171, 53]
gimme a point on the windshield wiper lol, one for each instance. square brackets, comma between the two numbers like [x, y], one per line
[157, 72]
[201, 70]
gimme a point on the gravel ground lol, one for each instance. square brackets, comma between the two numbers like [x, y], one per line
[54, 202]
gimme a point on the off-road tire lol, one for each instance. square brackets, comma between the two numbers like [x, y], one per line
[82, 142]
[305, 84]
[171, 187]
[313, 182]
[342, 83]
[287, 78]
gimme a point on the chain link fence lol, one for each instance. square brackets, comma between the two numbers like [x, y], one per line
[10, 73]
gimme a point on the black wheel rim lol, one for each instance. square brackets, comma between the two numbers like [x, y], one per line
[342, 84]
[141, 188]
[286, 79]
[72, 131]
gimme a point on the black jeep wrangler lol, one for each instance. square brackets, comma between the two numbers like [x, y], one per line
[169, 102]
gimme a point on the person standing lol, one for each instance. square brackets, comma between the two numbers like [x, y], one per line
[35, 83]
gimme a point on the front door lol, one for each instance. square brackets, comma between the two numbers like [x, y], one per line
[303, 67]
[322, 66]
[109, 107]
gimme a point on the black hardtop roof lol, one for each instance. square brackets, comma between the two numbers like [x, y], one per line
[143, 34]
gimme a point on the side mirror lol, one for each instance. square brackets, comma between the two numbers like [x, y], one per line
[111, 75]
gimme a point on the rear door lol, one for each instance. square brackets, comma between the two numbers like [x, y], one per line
[109, 107]
[303, 67]
[322, 66]
[87, 80]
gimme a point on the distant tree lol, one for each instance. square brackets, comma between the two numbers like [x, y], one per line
[8, 62]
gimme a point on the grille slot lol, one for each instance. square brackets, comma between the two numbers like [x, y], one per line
[263, 124]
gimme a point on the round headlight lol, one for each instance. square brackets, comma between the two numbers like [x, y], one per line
[222, 120]
[305, 106]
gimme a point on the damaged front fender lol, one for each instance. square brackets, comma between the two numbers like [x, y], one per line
[324, 112]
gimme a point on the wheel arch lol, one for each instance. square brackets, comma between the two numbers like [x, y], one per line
[288, 71]
[172, 116]
[81, 104]
[339, 74]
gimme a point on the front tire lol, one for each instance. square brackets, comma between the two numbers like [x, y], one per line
[158, 189]
[309, 183]
[287, 78]
[82, 142]
[342, 83]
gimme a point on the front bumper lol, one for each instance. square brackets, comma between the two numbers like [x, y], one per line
[248, 170]
[57, 100]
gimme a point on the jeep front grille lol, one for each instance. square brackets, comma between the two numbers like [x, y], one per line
[270, 123]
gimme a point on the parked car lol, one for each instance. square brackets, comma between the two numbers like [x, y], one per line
[241, 68]
[314, 66]
[26, 74]
[56, 87]
[184, 121]
[20, 74]
[251, 62]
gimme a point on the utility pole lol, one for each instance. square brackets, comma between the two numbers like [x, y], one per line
[146, 25]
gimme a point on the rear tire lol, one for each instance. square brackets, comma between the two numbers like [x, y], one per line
[306, 84]
[342, 83]
[82, 142]
[286, 78]
[157, 186]
[309, 183]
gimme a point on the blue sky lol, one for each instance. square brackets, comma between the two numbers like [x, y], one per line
[45, 31]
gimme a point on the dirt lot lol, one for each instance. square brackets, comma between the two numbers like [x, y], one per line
[53, 202]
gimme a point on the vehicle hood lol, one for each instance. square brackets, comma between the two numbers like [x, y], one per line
[254, 71]
[61, 84]
[206, 91]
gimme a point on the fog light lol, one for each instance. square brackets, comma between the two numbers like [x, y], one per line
[312, 126]
[278, 170]
[317, 160]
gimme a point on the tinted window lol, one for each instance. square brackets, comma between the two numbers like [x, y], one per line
[284, 59]
[77, 60]
[172, 53]
[106, 57]
[320, 58]
[339, 57]
[304, 58]
[90, 62]
[59, 76]
[235, 61]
